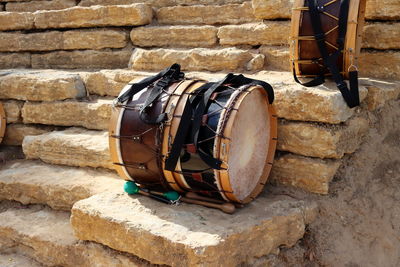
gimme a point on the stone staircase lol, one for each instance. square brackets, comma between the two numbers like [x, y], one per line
[63, 62]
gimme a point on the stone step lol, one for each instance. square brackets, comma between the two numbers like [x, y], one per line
[94, 39]
[78, 17]
[16, 132]
[34, 182]
[72, 147]
[45, 85]
[310, 174]
[203, 14]
[159, 3]
[189, 235]
[33, 6]
[16, 260]
[93, 114]
[47, 237]
[278, 9]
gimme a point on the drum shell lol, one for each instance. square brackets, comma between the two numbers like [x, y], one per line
[134, 144]
[304, 49]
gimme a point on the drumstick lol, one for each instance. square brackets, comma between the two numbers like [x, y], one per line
[225, 207]
[194, 195]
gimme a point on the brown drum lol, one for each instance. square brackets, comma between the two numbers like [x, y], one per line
[3, 122]
[341, 24]
[216, 139]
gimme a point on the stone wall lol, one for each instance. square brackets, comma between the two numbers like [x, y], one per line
[149, 35]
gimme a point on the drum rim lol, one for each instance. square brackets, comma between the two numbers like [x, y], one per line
[222, 176]
[3, 122]
[352, 42]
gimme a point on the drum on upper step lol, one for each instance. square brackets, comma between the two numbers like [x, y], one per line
[3, 122]
[305, 55]
[217, 139]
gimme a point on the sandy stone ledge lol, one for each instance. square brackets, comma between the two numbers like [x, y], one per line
[190, 235]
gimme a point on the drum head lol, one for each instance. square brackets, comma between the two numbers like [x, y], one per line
[3, 122]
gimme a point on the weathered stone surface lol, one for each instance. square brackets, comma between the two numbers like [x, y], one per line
[173, 231]
[88, 59]
[33, 182]
[41, 85]
[16, 21]
[323, 141]
[89, 114]
[276, 57]
[158, 3]
[380, 64]
[310, 174]
[382, 10]
[382, 35]
[73, 147]
[47, 237]
[96, 16]
[268, 32]
[33, 6]
[110, 82]
[15, 60]
[379, 92]
[227, 59]
[375, 9]
[15, 260]
[67, 40]
[176, 36]
[200, 14]
[12, 109]
[15, 133]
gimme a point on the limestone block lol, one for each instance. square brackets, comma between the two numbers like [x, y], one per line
[89, 114]
[110, 82]
[72, 147]
[278, 9]
[382, 35]
[323, 141]
[47, 237]
[15, 133]
[67, 40]
[86, 59]
[198, 59]
[272, 9]
[176, 36]
[33, 6]
[95, 16]
[380, 92]
[276, 57]
[158, 3]
[380, 64]
[383, 10]
[41, 86]
[12, 109]
[268, 32]
[310, 174]
[260, 227]
[34, 182]
[16, 21]
[201, 14]
[15, 60]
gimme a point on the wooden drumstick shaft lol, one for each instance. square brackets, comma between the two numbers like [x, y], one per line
[225, 207]
[193, 195]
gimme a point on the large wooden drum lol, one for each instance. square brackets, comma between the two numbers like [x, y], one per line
[3, 122]
[238, 129]
[340, 23]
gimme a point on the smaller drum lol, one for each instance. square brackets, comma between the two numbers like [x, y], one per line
[3, 122]
[326, 41]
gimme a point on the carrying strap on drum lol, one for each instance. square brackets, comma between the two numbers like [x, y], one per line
[193, 115]
[164, 79]
[330, 61]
